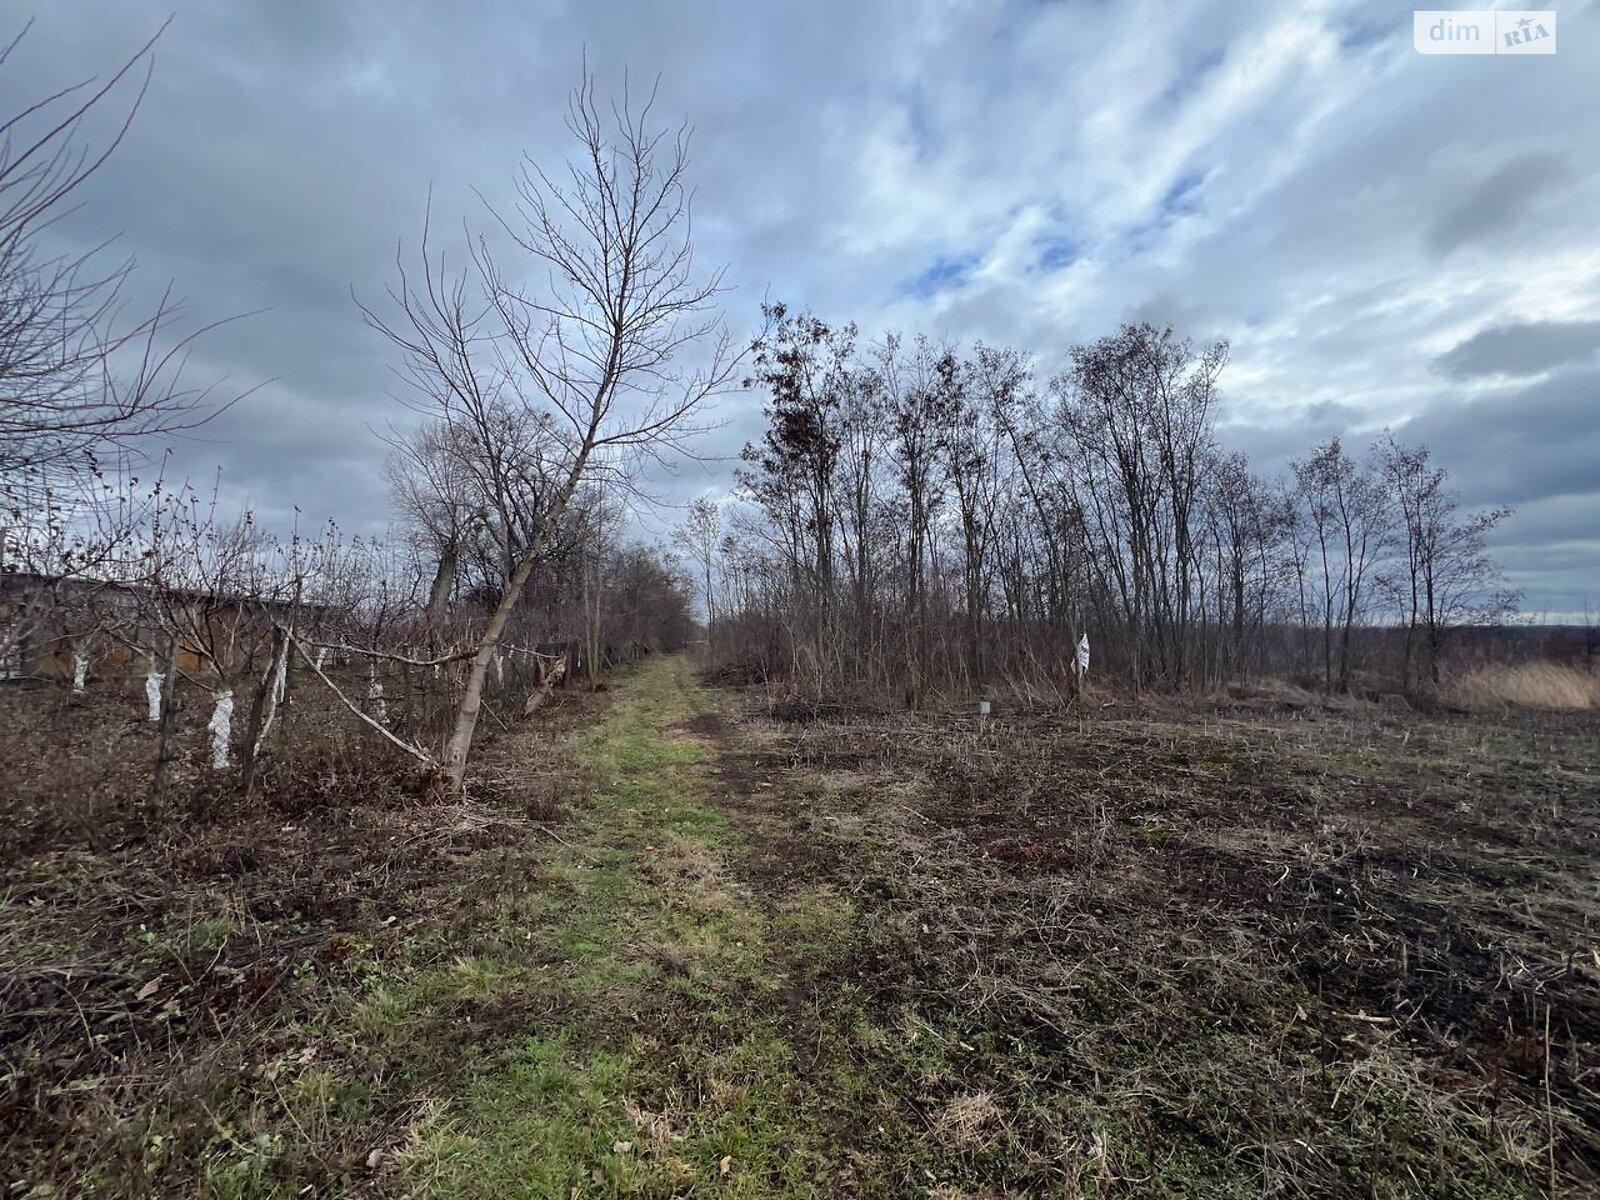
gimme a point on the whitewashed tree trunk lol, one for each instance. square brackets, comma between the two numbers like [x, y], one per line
[152, 693]
[375, 701]
[221, 728]
[80, 671]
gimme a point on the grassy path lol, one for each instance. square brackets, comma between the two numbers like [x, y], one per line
[655, 1054]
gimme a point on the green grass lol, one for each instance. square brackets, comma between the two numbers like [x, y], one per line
[659, 1065]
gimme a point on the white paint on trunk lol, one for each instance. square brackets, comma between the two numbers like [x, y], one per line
[152, 693]
[322, 655]
[280, 677]
[221, 728]
[80, 670]
[1082, 665]
[500, 669]
[375, 701]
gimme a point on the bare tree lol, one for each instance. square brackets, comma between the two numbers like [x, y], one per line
[919, 390]
[971, 443]
[433, 483]
[1350, 519]
[1137, 407]
[701, 539]
[83, 384]
[1445, 577]
[586, 374]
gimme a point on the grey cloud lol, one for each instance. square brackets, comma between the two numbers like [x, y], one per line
[1529, 348]
[1495, 207]
[1516, 446]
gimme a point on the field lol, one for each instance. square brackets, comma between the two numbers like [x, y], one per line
[691, 941]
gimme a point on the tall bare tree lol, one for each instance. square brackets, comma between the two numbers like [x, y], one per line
[1351, 520]
[1445, 577]
[701, 539]
[607, 363]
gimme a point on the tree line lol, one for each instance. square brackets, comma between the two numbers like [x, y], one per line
[922, 517]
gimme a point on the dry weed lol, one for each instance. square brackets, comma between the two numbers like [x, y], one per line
[1538, 685]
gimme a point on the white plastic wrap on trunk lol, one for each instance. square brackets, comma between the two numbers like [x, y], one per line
[280, 678]
[1083, 656]
[152, 693]
[375, 701]
[221, 728]
[80, 671]
[500, 669]
[322, 654]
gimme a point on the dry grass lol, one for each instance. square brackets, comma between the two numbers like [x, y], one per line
[172, 973]
[1275, 949]
[1538, 685]
[968, 1121]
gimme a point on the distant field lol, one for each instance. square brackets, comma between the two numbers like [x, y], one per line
[685, 941]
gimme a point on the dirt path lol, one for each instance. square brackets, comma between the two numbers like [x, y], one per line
[677, 1035]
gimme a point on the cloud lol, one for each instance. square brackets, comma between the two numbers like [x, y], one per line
[1528, 348]
[1514, 446]
[1495, 207]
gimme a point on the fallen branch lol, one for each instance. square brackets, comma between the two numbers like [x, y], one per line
[416, 752]
[342, 648]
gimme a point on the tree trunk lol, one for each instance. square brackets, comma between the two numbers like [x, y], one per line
[444, 579]
[460, 744]
[169, 720]
[264, 708]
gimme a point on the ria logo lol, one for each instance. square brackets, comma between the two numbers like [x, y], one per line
[1528, 31]
[1523, 31]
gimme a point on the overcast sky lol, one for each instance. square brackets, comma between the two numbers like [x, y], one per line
[1388, 239]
